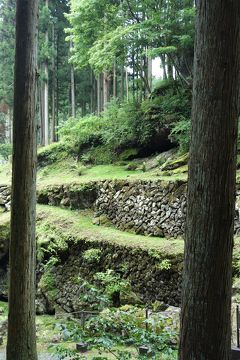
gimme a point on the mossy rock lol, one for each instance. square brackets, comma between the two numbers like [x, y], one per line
[129, 154]
[180, 170]
[102, 220]
[176, 163]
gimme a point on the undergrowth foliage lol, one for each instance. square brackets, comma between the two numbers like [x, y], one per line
[128, 125]
[120, 332]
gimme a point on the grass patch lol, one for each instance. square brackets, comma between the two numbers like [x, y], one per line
[79, 226]
[64, 224]
[67, 171]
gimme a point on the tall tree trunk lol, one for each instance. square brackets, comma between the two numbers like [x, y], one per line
[73, 101]
[163, 61]
[21, 321]
[206, 305]
[53, 127]
[114, 80]
[92, 91]
[169, 68]
[126, 78]
[105, 88]
[150, 68]
[57, 86]
[8, 127]
[122, 83]
[42, 115]
[46, 114]
[99, 94]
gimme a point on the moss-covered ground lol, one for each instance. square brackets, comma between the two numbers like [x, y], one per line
[79, 225]
[69, 171]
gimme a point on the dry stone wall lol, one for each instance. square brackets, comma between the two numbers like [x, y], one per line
[149, 282]
[5, 198]
[146, 207]
[154, 208]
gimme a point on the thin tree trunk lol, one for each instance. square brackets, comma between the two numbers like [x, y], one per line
[169, 68]
[53, 127]
[105, 88]
[163, 60]
[126, 78]
[57, 86]
[46, 114]
[42, 115]
[149, 65]
[92, 91]
[102, 92]
[99, 94]
[133, 76]
[122, 83]
[8, 127]
[21, 320]
[206, 305]
[73, 101]
[114, 80]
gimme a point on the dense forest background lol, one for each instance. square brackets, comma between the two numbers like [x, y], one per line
[96, 85]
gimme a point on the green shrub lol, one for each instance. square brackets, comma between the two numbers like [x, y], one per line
[48, 282]
[83, 133]
[92, 255]
[120, 130]
[165, 264]
[53, 153]
[128, 154]
[181, 134]
[124, 129]
[99, 155]
[131, 166]
[5, 151]
[125, 328]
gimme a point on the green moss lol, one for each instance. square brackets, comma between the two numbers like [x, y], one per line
[78, 227]
[47, 282]
[180, 170]
[129, 154]
[175, 163]
[67, 171]
[53, 153]
[92, 255]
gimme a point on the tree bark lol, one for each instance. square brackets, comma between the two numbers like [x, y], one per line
[122, 83]
[53, 127]
[150, 71]
[105, 89]
[163, 61]
[114, 79]
[21, 321]
[46, 114]
[126, 78]
[206, 305]
[73, 101]
[99, 94]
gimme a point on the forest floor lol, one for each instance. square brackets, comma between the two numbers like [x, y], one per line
[80, 226]
[49, 337]
[70, 171]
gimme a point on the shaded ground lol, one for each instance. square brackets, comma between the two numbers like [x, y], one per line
[40, 356]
